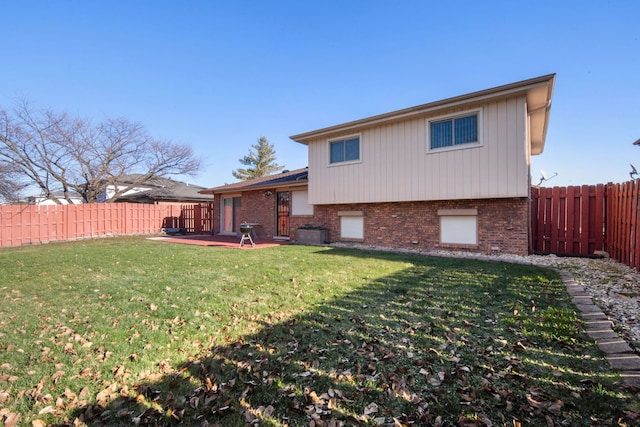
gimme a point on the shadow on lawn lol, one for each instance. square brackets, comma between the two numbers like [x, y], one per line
[444, 341]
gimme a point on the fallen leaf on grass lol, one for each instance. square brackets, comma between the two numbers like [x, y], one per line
[46, 410]
[268, 411]
[371, 408]
[118, 371]
[250, 417]
[68, 349]
[8, 378]
[83, 393]
[11, 419]
[556, 407]
[56, 377]
[437, 381]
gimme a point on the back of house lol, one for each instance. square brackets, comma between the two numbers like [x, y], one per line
[452, 174]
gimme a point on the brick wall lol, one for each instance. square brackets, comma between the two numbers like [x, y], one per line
[259, 208]
[256, 207]
[217, 203]
[502, 224]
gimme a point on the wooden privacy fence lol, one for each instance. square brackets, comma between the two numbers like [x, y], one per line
[568, 220]
[583, 219]
[623, 222]
[31, 224]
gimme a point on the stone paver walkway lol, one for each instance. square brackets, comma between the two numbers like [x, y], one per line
[620, 355]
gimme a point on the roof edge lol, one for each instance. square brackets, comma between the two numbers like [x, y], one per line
[511, 88]
[259, 183]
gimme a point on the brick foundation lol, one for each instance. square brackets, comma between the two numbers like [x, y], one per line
[502, 224]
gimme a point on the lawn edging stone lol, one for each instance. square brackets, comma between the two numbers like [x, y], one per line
[619, 354]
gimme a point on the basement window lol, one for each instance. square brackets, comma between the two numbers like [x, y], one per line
[351, 225]
[458, 226]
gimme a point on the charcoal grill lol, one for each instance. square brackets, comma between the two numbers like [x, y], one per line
[245, 230]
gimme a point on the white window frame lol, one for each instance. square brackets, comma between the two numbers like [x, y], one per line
[452, 116]
[345, 138]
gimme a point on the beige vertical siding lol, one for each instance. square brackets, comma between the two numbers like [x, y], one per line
[395, 165]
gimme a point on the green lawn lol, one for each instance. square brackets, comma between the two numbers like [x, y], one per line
[131, 331]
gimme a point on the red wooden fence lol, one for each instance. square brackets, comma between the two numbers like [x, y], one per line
[564, 220]
[623, 222]
[584, 219]
[568, 220]
[30, 224]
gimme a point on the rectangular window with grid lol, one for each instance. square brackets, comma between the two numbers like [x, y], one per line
[344, 150]
[454, 131]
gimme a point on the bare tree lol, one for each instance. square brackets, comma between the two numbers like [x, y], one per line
[10, 184]
[55, 151]
[261, 158]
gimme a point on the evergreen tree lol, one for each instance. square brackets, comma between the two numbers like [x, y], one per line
[260, 161]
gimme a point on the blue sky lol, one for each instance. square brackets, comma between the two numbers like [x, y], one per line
[218, 75]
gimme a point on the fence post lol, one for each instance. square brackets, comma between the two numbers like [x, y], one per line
[533, 219]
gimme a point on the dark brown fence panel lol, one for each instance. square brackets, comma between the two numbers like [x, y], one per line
[623, 222]
[585, 219]
[635, 226]
[196, 218]
[187, 218]
[568, 220]
[204, 218]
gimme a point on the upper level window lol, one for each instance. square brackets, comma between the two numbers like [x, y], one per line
[344, 150]
[454, 131]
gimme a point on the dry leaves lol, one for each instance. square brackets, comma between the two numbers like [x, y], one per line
[370, 368]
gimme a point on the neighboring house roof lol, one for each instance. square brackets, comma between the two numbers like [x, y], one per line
[179, 192]
[298, 177]
[162, 189]
[537, 90]
[75, 197]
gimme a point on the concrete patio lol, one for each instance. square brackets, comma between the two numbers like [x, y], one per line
[218, 241]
